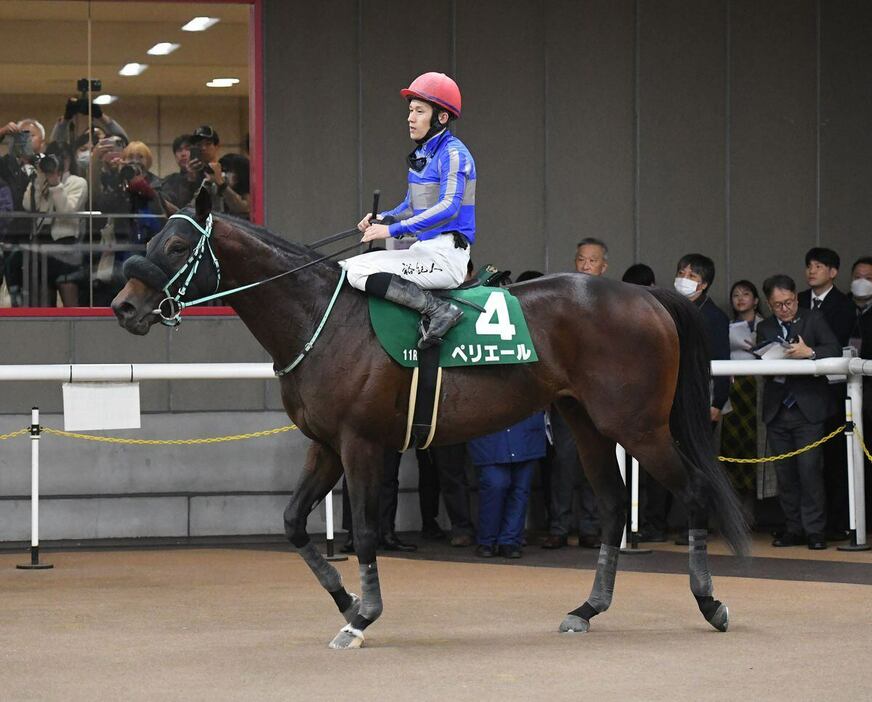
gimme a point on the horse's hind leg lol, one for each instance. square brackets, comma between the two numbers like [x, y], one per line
[597, 454]
[662, 461]
[320, 474]
[364, 463]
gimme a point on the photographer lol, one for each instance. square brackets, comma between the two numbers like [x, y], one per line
[65, 128]
[209, 172]
[142, 186]
[57, 188]
[180, 187]
[235, 168]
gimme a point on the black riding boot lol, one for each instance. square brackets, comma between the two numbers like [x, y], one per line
[442, 315]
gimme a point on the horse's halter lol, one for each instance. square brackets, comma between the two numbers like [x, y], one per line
[170, 308]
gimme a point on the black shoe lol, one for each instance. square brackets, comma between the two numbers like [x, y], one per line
[433, 533]
[509, 551]
[390, 542]
[817, 542]
[554, 541]
[440, 315]
[348, 546]
[787, 539]
[484, 551]
[589, 541]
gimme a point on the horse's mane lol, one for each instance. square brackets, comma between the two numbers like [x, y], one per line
[265, 235]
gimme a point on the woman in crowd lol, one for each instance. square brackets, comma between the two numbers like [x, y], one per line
[740, 429]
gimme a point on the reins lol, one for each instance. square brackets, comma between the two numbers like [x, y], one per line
[172, 315]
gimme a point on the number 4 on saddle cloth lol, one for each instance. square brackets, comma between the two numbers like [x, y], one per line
[491, 332]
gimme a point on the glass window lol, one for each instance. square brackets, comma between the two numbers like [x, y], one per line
[129, 105]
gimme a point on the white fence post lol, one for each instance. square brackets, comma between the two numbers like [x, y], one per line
[35, 431]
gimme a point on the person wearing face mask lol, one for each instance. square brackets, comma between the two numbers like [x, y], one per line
[861, 339]
[694, 276]
[439, 210]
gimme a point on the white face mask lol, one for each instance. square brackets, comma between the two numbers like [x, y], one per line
[860, 287]
[83, 158]
[685, 286]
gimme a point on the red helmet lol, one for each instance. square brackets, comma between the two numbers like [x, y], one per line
[436, 88]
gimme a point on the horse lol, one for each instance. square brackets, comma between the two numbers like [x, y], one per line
[621, 363]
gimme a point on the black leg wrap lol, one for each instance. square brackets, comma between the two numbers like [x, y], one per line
[377, 283]
[341, 598]
[708, 605]
[360, 622]
[586, 612]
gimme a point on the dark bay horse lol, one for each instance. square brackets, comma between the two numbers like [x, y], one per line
[621, 363]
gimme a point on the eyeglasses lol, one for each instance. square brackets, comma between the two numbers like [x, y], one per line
[786, 305]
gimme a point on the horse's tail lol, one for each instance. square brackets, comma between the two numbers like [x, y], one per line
[690, 424]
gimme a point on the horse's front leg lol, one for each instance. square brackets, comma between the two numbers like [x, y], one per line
[364, 464]
[320, 474]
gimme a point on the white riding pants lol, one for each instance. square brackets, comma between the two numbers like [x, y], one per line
[433, 264]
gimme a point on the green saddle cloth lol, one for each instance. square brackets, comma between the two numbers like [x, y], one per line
[496, 336]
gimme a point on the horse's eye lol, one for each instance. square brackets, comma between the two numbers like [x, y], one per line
[177, 250]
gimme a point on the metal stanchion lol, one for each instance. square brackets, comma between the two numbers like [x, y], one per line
[621, 455]
[328, 506]
[34, 496]
[856, 478]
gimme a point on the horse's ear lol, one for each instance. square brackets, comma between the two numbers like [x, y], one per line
[203, 203]
[168, 207]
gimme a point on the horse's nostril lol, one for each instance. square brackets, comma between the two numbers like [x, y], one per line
[123, 310]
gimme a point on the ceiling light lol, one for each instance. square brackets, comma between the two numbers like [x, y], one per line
[222, 82]
[162, 49]
[132, 69]
[200, 24]
[105, 99]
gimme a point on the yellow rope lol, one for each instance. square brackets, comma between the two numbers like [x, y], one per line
[863, 444]
[173, 442]
[13, 434]
[790, 454]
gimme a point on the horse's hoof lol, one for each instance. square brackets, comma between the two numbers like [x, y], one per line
[721, 618]
[574, 624]
[348, 637]
[353, 608]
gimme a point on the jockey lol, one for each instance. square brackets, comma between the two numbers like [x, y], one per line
[439, 210]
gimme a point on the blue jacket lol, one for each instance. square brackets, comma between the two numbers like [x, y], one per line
[441, 196]
[524, 441]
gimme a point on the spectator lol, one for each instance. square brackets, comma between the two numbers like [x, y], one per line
[794, 409]
[142, 186]
[506, 460]
[204, 164]
[694, 276]
[739, 430]
[17, 171]
[37, 133]
[821, 270]
[181, 187]
[639, 274]
[102, 125]
[234, 189]
[442, 470]
[591, 257]
[57, 189]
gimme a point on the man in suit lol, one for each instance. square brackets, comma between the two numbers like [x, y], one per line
[795, 408]
[821, 269]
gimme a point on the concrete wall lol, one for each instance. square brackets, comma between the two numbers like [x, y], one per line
[735, 128]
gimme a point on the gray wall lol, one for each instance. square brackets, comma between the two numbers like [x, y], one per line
[738, 129]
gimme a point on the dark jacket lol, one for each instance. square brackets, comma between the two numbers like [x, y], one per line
[524, 441]
[717, 327]
[813, 396]
[838, 310]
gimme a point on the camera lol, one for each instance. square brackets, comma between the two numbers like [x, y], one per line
[21, 145]
[49, 164]
[130, 170]
[82, 86]
[79, 105]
